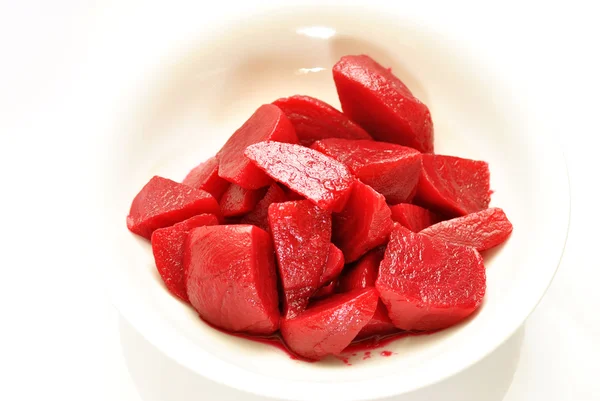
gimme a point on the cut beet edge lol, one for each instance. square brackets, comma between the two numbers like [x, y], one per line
[260, 215]
[413, 217]
[237, 201]
[205, 176]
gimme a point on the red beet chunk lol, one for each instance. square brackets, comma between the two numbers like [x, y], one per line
[314, 119]
[427, 284]
[482, 230]
[301, 235]
[377, 100]
[168, 245]
[453, 185]
[390, 169]
[330, 325]
[413, 217]
[231, 278]
[163, 202]
[319, 178]
[364, 224]
[325, 291]
[260, 215]
[206, 177]
[237, 201]
[362, 274]
[268, 123]
[333, 266]
[379, 325]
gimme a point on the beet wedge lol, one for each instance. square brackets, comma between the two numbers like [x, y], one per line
[268, 123]
[333, 266]
[364, 224]
[231, 278]
[237, 201]
[301, 236]
[205, 176]
[413, 217]
[380, 103]
[454, 186]
[427, 284]
[168, 246]
[362, 273]
[390, 169]
[163, 202]
[319, 178]
[314, 119]
[481, 230]
[330, 325]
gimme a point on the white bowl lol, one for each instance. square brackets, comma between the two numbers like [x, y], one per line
[209, 87]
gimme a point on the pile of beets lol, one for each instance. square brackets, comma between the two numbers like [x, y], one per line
[328, 227]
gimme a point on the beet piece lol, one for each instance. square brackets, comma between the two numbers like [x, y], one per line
[413, 217]
[163, 202]
[377, 100]
[330, 325]
[364, 224]
[301, 235]
[325, 291]
[482, 230]
[231, 278]
[453, 185]
[267, 123]
[205, 176]
[260, 215]
[167, 247]
[390, 169]
[427, 284]
[363, 273]
[237, 201]
[314, 119]
[333, 266]
[321, 179]
[379, 325]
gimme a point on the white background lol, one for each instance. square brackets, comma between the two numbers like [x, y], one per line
[60, 336]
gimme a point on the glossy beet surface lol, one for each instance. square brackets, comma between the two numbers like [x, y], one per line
[237, 201]
[163, 202]
[363, 273]
[334, 264]
[364, 224]
[268, 123]
[330, 325]
[453, 185]
[167, 247]
[413, 217]
[301, 235]
[427, 284]
[375, 98]
[231, 278]
[205, 176]
[260, 215]
[390, 169]
[314, 119]
[379, 325]
[482, 230]
[319, 178]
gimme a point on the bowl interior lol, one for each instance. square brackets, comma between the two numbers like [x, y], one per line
[207, 91]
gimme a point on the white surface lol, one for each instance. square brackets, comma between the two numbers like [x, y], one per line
[60, 337]
[187, 110]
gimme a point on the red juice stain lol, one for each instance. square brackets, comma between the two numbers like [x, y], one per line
[367, 355]
[344, 359]
[386, 353]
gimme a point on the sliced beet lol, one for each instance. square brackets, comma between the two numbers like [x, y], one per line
[205, 176]
[301, 234]
[453, 185]
[319, 178]
[428, 284]
[231, 278]
[168, 246]
[377, 100]
[390, 169]
[363, 273]
[268, 123]
[237, 201]
[333, 266]
[413, 217]
[325, 291]
[314, 119]
[163, 202]
[260, 215]
[482, 230]
[379, 325]
[330, 325]
[364, 224]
